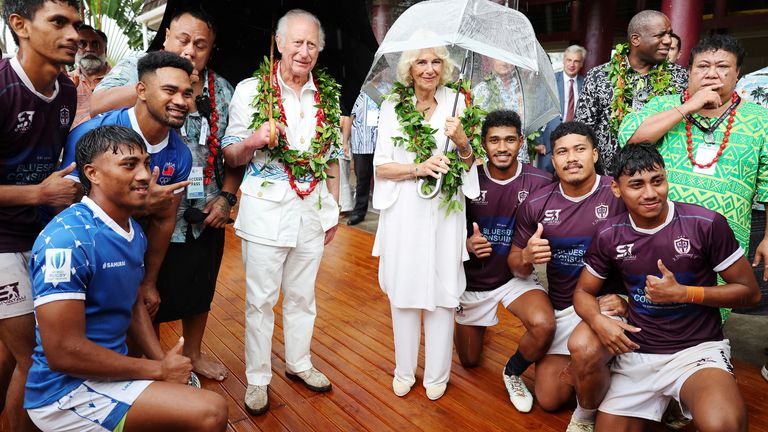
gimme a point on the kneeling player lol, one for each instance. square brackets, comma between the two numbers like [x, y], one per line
[668, 255]
[504, 185]
[86, 268]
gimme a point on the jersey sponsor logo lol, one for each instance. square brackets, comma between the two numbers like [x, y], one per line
[113, 264]
[624, 251]
[64, 116]
[522, 195]
[9, 294]
[24, 121]
[682, 245]
[601, 211]
[551, 216]
[58, 265]
[480, 200]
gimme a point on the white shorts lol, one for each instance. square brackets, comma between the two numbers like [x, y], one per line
[91, 407]
[15, 287]
[479, 308]
[566, 321]
[643, 384]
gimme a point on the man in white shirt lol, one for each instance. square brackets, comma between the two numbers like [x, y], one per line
[569, 84]
[288, 209]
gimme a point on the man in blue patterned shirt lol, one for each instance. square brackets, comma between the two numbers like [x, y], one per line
[365, 125]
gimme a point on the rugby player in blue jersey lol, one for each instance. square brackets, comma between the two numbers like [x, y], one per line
[86, 267]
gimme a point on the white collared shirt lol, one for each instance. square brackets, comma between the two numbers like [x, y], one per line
[566, 80]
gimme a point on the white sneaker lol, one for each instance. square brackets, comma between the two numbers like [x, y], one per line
[764, 371]
[256, 399]
[435, 392]
[313, 379]
[579, 426]
[519, 395]
[400, 388]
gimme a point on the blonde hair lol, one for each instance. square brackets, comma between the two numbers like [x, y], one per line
[408, 57]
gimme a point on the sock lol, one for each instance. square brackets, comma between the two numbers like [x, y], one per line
[584, 415]
[516, 365]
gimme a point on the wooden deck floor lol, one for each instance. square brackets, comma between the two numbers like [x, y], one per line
[353, 346]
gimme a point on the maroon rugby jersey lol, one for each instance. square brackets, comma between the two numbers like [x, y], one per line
[495, 212]
[569, 225]
[693, 243]
[33, 130]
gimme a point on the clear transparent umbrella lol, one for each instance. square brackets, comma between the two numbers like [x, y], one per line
[489, 31]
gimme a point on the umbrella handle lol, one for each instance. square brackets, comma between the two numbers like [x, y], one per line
[435, 190]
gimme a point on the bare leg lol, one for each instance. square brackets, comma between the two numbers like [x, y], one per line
[202, 363]
[714, 399]
[550, 391]
[589, 366]
[18, 334]
[611, 423]
[7, 366]
[535, 311]
[165, 406]
[469, 344]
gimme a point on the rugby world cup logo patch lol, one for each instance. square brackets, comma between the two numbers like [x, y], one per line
[601, 211]
[682, 245]
[58, 265]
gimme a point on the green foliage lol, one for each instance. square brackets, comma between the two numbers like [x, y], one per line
[618, 67]
[419, 139]
[327, 137]
[124, 13]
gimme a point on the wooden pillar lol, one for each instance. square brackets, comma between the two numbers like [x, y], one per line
[598, 34]
[686, 23]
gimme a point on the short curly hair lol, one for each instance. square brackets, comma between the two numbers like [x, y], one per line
[155, 60]
[408, 57]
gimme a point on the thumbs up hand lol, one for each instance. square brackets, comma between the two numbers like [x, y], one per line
[477, 244]
[537, 251]
[664, 289]
[57, 190]
[175, 366]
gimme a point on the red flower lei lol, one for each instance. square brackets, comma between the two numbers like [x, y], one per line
[726, 135]
[213, 137]
[320, 119]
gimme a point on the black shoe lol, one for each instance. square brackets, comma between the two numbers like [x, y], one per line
[354, 220]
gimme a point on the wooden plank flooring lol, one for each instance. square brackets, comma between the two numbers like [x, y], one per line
[353, 345]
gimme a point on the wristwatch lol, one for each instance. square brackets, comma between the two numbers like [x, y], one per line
[230, 197]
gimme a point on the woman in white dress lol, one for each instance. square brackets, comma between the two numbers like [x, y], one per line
[421, 245]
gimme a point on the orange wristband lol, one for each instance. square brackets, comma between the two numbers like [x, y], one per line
[694, 294]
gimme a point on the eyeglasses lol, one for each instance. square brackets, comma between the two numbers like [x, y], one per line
[95, 44]
[203, 104]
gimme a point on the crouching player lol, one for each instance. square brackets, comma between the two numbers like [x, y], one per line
[86, 267]
[668, 255]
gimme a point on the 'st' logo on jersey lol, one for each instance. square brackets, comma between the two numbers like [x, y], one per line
[24, 121]
[551, 216]
[624, 251]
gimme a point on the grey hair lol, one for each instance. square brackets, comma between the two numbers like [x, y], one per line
[408, 57]
[282, 26]
[576, 49]
[641, 20]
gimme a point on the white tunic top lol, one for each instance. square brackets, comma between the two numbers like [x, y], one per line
[421, 247]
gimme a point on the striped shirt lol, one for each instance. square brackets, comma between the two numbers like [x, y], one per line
[364, 128]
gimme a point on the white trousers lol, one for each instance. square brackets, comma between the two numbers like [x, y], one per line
[438, 344]
[267, 268]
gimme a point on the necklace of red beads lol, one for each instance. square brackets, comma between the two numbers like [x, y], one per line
[726, 135]
[303, 161]
[213, 137]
